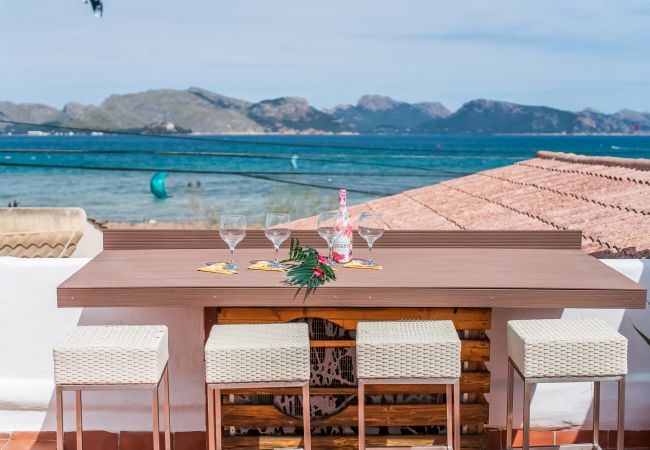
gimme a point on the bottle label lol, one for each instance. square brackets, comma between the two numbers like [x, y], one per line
[342, 248]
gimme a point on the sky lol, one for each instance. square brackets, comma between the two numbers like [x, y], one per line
[568, 54]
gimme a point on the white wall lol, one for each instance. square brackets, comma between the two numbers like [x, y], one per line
[91, 243]
[30, 324]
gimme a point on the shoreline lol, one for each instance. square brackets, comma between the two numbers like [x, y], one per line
[325, 133]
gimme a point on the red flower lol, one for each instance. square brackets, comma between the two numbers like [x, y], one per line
[322, 260]
[318, 272]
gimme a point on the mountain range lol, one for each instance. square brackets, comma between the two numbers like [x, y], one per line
[201, 111]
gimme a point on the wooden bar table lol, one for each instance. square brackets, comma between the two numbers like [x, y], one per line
[455, 275]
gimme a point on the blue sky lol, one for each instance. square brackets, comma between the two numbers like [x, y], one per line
[563, 53]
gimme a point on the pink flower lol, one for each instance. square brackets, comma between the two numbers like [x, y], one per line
[322, 260]
[318, 272]
[338, 257]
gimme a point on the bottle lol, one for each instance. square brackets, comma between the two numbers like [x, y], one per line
[342, 250]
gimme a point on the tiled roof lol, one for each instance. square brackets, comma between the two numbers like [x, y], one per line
[40, 232]
[607, 198]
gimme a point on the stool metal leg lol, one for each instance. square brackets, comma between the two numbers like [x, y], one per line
[306, 416]
[166, 412]
[457, 415]
[156, 419]
[526, 425]
[218, 429]
[78, 412]
[509, 402]
[596, 407]
[449, 400]
[362, 415]
[210, 418]
[620, 425]
[59, 418]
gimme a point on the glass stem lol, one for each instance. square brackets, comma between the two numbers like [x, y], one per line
[331, 255]
[370, 252]
[232, 255]
[277, 254]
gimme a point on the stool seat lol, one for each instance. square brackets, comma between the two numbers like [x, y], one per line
[116, 354]
[586, 347]
[408, 349]
[248, 353]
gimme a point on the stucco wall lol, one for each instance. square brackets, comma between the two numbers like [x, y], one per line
[31, 323]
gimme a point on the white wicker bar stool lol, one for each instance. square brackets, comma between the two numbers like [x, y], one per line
[117, 357]
[256, 356]
[565, 350]
[410, 352]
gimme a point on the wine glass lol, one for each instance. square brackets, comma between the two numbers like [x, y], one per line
[232, 230]
[327, 230]
[277, 230]
[371, 227]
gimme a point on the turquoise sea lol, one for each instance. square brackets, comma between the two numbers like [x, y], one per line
[208, 175]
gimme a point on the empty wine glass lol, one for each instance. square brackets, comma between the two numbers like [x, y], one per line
[277, 230]
[232, 230]
[327, 230]
[371, 227]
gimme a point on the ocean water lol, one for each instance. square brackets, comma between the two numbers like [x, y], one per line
[255, 174]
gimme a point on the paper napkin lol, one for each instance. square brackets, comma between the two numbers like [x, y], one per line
[217, 268]
[360, 264]
[265, 265]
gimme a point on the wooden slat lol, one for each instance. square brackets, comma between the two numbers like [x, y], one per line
[376, 415]
[471, 349]
[108, 296]
[332, 343]
[470, 382]
[475, 350]
[348, 442]
[464, 318]
[134, 239]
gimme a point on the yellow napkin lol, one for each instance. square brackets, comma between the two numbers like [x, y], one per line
[265, 265]
[217, 268]
[359, 264]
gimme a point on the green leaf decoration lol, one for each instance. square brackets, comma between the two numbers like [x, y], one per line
[309, 273]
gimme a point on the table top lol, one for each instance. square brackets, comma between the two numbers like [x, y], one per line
[411, 277]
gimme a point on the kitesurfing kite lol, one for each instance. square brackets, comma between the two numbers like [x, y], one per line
[97, 6]
[157, 185]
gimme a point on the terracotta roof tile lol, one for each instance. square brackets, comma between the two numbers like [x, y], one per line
[609, 203]
[40, 232]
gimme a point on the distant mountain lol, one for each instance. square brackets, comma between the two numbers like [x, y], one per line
[292, 113]
[375, 113]
[201, 111]
[634, 117]
[193, 109]
[487, 116]
[29, 113]
[492, 117]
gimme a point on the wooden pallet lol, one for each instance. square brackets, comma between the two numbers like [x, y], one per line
[475, 382]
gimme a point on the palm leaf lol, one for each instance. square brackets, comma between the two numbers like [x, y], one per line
[303, 274]
[645, 337]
